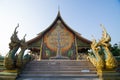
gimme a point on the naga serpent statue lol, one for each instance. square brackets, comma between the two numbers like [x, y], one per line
[23, 46]
[106, 60]
[110, 61]
[95, 57]
[10, 58]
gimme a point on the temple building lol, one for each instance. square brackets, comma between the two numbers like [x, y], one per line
[60, 52]
[58, 40]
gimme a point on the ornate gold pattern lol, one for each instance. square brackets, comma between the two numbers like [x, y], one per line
[110, 61]
[95, 57]
[106, 60]
[66, 38]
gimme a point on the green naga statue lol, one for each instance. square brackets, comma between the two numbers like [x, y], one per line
[23, 46]
[9, 61]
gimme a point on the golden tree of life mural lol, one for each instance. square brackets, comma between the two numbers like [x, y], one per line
[59, 38]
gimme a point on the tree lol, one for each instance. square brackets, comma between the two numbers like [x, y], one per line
[115, 50]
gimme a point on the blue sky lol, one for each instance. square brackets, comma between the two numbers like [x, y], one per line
[33, 16]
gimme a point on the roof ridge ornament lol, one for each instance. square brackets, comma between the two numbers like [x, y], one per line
[58, 10]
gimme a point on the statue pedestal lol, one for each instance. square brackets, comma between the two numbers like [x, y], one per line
[8, 75]
[109, 75]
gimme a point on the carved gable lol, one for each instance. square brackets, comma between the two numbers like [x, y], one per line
[59, 35]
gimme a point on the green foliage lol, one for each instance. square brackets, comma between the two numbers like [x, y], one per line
[48, 53]
[115, 50]
[1, 57]
[117, 58]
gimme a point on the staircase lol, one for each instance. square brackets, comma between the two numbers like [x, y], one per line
[59, 70]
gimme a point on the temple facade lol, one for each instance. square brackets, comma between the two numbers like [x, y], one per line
[58, 40]
[59, 51]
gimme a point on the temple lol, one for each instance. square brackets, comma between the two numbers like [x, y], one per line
[59, 41]
[60, 52]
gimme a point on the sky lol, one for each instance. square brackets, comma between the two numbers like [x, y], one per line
[34, 16]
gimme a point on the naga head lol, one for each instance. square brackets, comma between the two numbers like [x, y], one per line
[14, 38]
[104, 32]
[23, 43]
[15, 31]
[24, 38]
[105, 36]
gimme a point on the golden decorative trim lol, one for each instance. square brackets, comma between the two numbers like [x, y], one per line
[77, 56]
[41, 50]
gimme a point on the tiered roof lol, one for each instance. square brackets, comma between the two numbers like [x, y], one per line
[40, 35]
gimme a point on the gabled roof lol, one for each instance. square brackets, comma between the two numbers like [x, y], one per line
[54, 22]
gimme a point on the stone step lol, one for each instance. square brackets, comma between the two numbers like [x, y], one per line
[57, 62]
[38, 65]
[58, 75]
[73, 66]
[32, 65]
[60, 78]
[60, 72]
[50, 66]
[62, 62]
[58, 68]
[53, 64]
